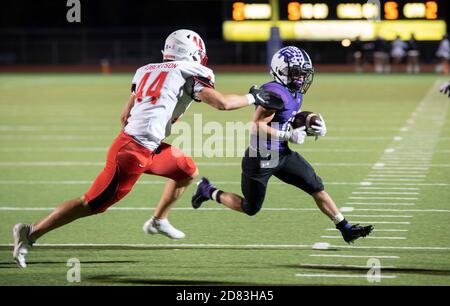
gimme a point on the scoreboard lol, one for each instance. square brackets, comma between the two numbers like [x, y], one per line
[336, 20]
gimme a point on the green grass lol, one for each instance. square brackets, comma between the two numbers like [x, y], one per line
[44, 117]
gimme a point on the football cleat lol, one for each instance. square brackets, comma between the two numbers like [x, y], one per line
[350, 234]
[162, 226]
[202, 193]
[22, 243]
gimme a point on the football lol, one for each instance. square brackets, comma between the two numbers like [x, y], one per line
[306, 119]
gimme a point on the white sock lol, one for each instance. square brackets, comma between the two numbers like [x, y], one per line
[338, 218]
[214, 194]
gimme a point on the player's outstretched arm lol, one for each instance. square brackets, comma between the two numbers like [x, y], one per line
[229, 102]
[224, 102]
[126, 110]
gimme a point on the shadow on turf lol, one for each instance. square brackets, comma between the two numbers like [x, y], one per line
[12, 264]
[122, 279]
[357, 269]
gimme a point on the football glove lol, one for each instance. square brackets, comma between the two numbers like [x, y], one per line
[445, 89]
[319, 129]
[266, 99]
[297, 135]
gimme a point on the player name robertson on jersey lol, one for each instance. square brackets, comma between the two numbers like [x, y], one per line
[163, 93]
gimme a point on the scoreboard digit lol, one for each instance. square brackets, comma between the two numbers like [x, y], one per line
[336, 20]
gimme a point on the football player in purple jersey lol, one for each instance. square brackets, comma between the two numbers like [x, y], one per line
[269, 154]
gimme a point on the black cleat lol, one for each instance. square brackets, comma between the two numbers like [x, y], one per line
[202, 193]
[350, 234]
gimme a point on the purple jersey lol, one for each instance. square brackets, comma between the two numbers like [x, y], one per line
[281, 120]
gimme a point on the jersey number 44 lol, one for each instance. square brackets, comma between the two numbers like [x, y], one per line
[153, 90]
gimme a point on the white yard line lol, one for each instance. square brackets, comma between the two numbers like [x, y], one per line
[389, 188]
[51, 164]
[74, 128]
[391, 159]
[401, 210]
[378, 216]
[243, 246]
[50, 137]
[175, 245]
[415, 248]
[381, 222]
[45, 137]
[143, 182]
[383, 192]
[399, 172]
[10, 208]
[399, 168]
[379, 204]
[410, 154]
[355, 256]
[82, 182]
[396, 179]
[346, 266]
[397, 175]
[436, 184]
[382, 198]
[415, 165]
[100, 163]
[104, 149]
[55, 149]
[204, 164]
[375, 230]
[343, 275]
[368, 237]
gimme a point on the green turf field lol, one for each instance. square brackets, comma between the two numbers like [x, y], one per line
[385, 160]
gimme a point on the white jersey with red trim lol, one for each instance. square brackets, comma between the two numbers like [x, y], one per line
[163, 92]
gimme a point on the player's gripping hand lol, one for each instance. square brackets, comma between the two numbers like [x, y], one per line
[266, 99]
[445, 89]
[298, 135]
[319, 128]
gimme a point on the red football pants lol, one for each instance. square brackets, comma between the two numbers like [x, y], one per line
[126, 161]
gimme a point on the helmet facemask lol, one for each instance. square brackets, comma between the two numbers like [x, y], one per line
[300, 79]
[297, 79]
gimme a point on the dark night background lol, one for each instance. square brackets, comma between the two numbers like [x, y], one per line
[133, 31]
[206, 15]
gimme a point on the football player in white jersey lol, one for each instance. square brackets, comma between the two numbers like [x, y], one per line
[160, 94]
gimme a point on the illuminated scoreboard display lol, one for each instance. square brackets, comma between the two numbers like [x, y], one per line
[336, 20]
